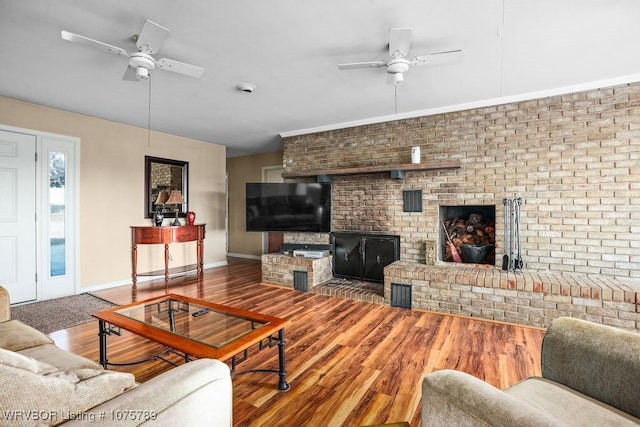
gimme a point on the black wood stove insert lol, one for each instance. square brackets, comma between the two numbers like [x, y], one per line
[363, 256]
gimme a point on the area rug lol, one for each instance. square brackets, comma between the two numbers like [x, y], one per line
[59, 313]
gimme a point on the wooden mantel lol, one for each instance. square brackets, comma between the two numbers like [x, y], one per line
[397, 171]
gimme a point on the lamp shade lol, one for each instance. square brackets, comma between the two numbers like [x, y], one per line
[175, 198]
[163, 196]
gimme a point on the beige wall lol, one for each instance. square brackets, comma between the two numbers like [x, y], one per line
[111, 189]
[242, 170]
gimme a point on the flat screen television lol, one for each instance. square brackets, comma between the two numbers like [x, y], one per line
[289, 206]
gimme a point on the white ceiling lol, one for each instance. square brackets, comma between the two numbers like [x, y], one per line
[289, 49]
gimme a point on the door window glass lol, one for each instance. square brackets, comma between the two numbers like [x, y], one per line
[57, 205]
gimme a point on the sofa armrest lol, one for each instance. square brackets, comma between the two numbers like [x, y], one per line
[196, 393]
[596, 360]
[5, 308]
[454, 398]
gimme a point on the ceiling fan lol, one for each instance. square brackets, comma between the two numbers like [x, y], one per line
[141, 61]
[399, 44]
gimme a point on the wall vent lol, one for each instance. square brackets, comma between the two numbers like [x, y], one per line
[301, 281]
[400, 295]
[412, 200]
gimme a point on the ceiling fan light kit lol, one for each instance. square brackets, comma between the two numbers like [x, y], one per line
[142, 73]
[141, 61]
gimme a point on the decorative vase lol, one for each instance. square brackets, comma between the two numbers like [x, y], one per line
[191, 217]
[157, 218]
[415, 155]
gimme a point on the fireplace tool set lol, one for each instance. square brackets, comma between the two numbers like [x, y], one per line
[512, 260]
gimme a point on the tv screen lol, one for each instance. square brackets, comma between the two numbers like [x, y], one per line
[289, 207]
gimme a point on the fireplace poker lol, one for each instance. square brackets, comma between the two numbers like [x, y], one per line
[518, 263]
[454, 252]
[512, 234]
[505, 257]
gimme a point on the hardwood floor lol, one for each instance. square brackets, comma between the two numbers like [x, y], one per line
[349, 363]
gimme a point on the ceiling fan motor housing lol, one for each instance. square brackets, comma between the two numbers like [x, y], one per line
[142, 63]
[397, 65]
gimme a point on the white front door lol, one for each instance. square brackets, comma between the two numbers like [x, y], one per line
[18, 215]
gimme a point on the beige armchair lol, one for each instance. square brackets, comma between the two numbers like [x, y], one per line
[590, 377]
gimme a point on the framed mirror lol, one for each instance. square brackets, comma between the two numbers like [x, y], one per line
[165, 181]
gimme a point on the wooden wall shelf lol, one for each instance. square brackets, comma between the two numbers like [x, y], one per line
[397, 171]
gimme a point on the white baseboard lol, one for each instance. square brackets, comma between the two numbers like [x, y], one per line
[234, 255]
[125, 282]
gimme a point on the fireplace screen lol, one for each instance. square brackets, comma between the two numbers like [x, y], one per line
[471, 233]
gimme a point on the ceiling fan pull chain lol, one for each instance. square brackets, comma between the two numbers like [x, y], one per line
[395, 91]
[149, 117]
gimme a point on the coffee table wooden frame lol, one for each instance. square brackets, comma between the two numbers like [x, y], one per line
[272, 331]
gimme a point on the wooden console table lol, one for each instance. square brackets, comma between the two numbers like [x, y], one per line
[150, 235]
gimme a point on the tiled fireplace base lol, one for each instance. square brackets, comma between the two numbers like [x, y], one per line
[529, 298]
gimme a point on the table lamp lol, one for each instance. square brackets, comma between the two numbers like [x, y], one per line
[175, 198]
[162, 198]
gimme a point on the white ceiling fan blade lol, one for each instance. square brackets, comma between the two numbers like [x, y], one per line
[356, 65]
[76, 38]
[180, 67]
[151, 37]
[433, 57]
[399, 41]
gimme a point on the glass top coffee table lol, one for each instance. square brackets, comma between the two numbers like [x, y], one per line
[196, 328]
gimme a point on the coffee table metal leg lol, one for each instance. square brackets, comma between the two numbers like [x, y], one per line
[102, 333]
[282, 373]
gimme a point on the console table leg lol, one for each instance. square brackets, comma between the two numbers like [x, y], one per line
[166, 262]
[283, 385]
[134, 262]
[199, 257]
[102, 333]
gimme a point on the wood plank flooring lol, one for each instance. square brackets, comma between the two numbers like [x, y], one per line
[349, 363]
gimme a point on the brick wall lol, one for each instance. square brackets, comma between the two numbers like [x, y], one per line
[574, 159]
[278, 269]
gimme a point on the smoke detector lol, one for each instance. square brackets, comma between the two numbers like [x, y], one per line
[246, 87]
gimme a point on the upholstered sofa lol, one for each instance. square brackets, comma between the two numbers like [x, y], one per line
[42, 384]
[590, 377]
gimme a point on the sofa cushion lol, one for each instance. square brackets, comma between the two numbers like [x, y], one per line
[5, 308]
[568, 405]
[29, 387]
[61, 359]
[18, 360]
[16, 336]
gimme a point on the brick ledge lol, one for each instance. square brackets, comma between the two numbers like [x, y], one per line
[528, 297]
[488, 276]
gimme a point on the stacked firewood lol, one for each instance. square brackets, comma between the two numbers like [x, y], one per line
[475, 230]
